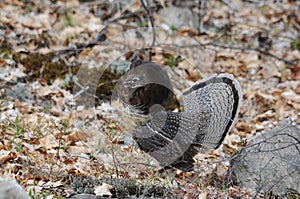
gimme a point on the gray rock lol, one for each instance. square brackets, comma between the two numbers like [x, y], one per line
[85, 196]
[179, 18]
[19, 91]
[10, 189]
[270, 162]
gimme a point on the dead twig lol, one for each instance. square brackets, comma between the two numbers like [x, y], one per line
[102, 37]
[229, 4]
[152, 25]
[140, 163]
[202, 13]
[293, 63]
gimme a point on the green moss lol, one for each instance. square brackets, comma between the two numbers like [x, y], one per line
[142, 24]
[5, 49]
[4, 45]
[295, 45]
[42, 65]
[175, 104]
[284, 67]
[52, 70]
[263, 10]
[28, 8]
[288, 195]
[68, 18]
[172, 60]
[173, 28]
[43, 40]
[5, 54]
[32, 63]
[18, 128]
[108, 82]
[104, 86]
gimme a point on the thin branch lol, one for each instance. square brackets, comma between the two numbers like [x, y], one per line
[101, 35]
[293, 63]
[202, 9]
[140, 163]
[152, 25]
[230, 5]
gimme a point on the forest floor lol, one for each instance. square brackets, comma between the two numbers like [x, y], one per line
[50, 50]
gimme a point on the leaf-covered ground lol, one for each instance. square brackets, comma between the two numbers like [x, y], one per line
[50, 48]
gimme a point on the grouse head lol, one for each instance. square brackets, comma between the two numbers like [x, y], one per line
[146, 85]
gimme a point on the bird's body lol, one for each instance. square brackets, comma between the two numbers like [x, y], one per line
[174, 138]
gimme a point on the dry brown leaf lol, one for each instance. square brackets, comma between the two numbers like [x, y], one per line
[245, 127]
[193, 75]
[22, 108]
[103, 190]
[269, 70]
[76, 150]
[48, 142]
[2, 146]
[291, 95]
[202, 195]
[127, 148]
[297, 90]
[6, 156]
[78, 136]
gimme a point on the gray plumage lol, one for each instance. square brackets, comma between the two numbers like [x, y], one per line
[174, 138]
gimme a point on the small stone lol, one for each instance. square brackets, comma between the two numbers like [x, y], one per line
[10, 189]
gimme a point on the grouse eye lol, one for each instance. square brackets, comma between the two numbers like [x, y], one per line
[135, 79]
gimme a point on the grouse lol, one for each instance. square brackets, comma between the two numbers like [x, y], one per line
[210, 107]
